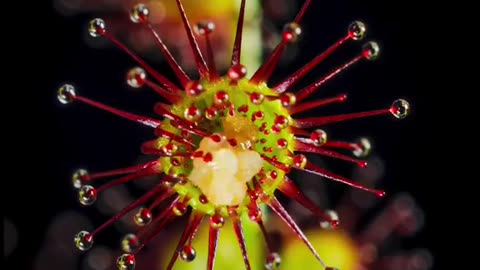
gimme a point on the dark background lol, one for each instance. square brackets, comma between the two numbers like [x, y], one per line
[51, 140]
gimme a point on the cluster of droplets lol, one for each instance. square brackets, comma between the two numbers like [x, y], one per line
[245, 113]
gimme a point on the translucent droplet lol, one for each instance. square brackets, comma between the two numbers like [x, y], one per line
[130, 243]
[78, 177]
[334, 220]
[371, 50]
[210, 113]
[66, 93]
[282, 143]
[126, 262]
[204, 28]
[273, 261]
[217, 221]
[136, 77]
[291, 31]
[188, 253]
[364, 148]
[139, 13]
[170, 149]
[87, 195]
[83, 240]
[400, 108]
[203, 199]
[194, 88]
[318, 137]
[257, 98]
[237, 72]
[281, 121]
[180, 208]
[288, 99]
[254, 214]
[357, 30]
[97, 27]
[299, 161]
[143, 217]
[220, 97]
[192, 113]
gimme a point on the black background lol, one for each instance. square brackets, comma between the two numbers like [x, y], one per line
[50, 140]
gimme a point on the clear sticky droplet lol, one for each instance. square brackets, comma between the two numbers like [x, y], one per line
[318, 137]
[400, 108]
[194, 88]
[87, 195]
[136, 77]
[291, 32]
[97, 27]
[78, 177]
[257, 98]
[299, 161]
[204, 28]
[288, 99]
[180, 208]
[357, 30]
[66, 94]
[83, 240]
[371, 50]
[334, 220]
[273, 261]
[130, 243]
[143, 217]
[188, 253]
[237, 72]
[139, 13]
[192, 113]
[217, 221]
[363, 149]
[126, 262]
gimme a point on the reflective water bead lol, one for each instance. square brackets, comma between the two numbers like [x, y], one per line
[130, 243]
[300, 161]
[400, 108]
[194, 88]
[180, 208]
[291, 31]
[363, 149]
[318, 137]
[126, 262]
[136, 77]
[371, 50]
[83, 240]
[334, 220]
[87, 195]
[281, 121]
[143, 217]
[96, 27]
[288, 99]
[66, 93]
[139, 13]
[217, 221]
[282, 143]
[357, 30]
[273, 261]
[204, 28]
[237, 72]
[78, 177]
[188, 253]
[257, 98]
[220, 97]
